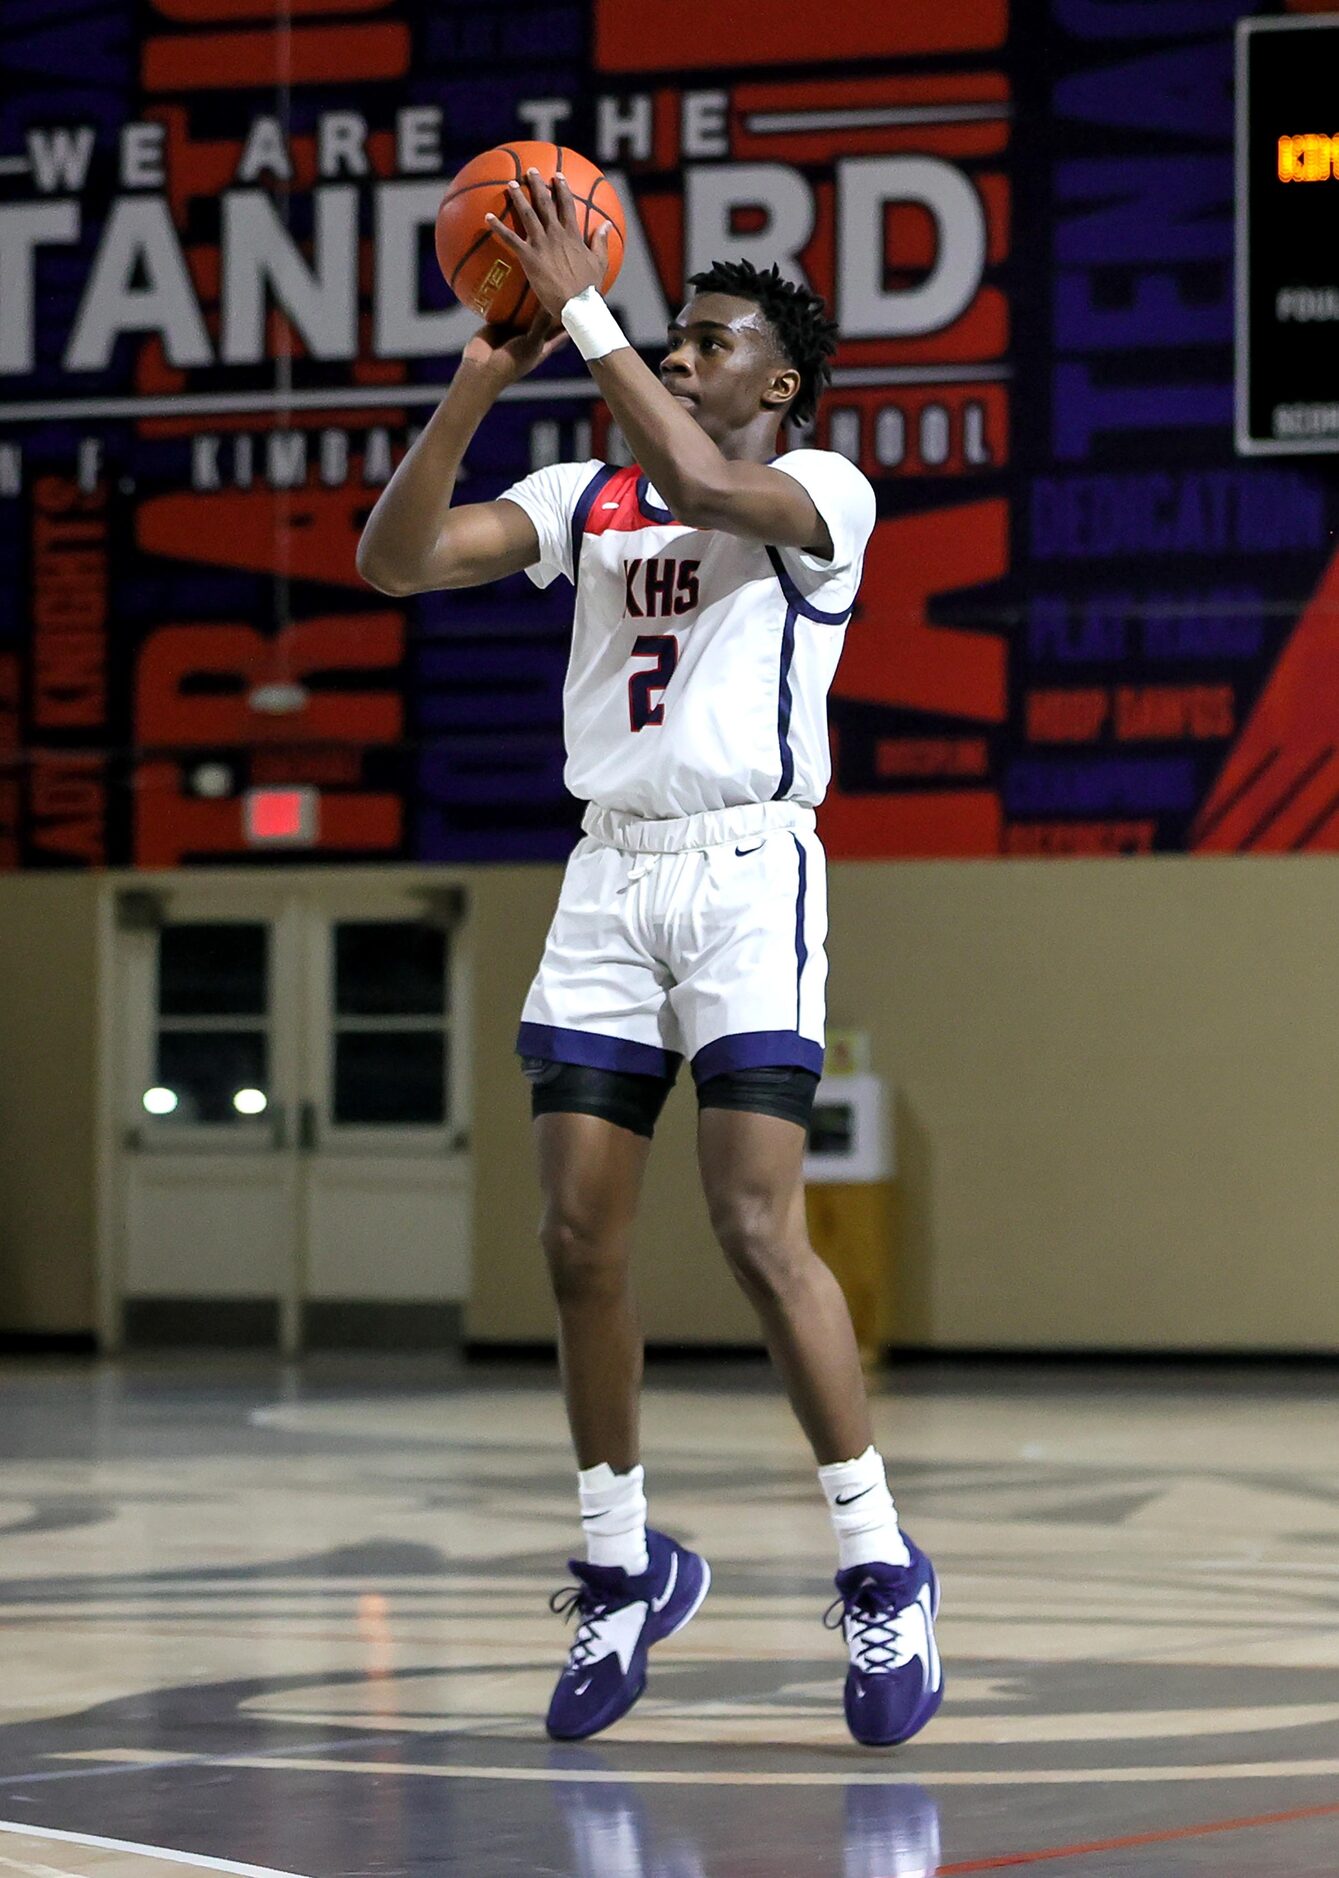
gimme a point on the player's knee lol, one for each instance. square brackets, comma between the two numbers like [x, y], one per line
[751, 1229]
[584, 1265]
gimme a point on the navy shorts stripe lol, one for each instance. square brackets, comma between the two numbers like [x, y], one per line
[801, 949]
[592, 1050]
[758, 1049]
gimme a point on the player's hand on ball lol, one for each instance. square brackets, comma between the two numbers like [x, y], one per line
[557, 262]
[507, 355]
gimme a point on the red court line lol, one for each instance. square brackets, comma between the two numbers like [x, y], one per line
[1138, 1838]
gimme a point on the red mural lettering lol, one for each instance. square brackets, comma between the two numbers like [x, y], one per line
[310, 55]
[1047, 838]
[166, 712]
[931, 756]
[920, 825]
[894, 655]
[801, 32]
[239, 528]
[320, 768]
[1066, 716]
[11, 691]
[68, 606]
[1174, 713]
[172, 826]
[865, 116]
[217, 12]
[68, 803]
[1278, 791]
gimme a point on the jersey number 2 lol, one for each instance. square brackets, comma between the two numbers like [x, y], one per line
[664, 649]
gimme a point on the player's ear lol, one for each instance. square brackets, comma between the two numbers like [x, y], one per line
[781, 388]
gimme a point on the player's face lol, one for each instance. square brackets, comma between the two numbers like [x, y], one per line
[722, 362]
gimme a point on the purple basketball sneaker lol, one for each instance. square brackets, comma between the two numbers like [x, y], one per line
[887, 1613]
[618, 1619]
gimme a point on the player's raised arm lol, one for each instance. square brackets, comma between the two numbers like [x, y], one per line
[702, 486]
[414, 540]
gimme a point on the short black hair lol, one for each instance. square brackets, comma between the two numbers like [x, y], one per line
[797, 315]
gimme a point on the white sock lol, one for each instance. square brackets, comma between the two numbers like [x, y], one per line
[613, 1517]
[863, 1515]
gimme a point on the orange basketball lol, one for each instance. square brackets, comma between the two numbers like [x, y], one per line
[479, 270]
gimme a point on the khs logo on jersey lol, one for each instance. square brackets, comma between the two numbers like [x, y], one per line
[660, 586]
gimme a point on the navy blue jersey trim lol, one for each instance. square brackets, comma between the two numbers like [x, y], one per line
[758, 1049]
[592, 1050]
[801, 949]
[784, 703]
[796, 604]
[581, 513]
[647, 507]
[795, 599]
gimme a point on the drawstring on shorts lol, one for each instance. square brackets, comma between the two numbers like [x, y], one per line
[640, 867]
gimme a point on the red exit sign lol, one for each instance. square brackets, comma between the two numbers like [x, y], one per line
[281, 818]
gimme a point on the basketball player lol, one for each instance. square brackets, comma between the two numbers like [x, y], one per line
[713, 583]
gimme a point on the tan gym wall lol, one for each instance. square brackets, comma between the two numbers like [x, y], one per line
[1117, 1107]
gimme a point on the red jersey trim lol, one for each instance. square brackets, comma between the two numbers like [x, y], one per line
[619, 505]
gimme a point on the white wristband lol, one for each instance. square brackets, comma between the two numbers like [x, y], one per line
[592, 326]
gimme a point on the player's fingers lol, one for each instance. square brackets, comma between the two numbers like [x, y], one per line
[543, 325]
[553, 345]
[523, 209]
[540, 196]
[599, 243]
[564, 202]
[507, 236]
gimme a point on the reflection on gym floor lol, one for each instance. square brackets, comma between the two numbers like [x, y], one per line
[299, 1622]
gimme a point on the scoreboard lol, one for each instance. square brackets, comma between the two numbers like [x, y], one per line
[1287, 325]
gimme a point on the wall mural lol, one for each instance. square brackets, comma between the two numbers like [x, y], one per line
[1087, 626]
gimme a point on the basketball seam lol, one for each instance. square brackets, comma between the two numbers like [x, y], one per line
[520, 301]
[475, 246]
[588, 201]
[473, 249]
[453, 192]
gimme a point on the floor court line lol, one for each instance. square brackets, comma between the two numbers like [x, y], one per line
[1203, 1831]
[684, 1777]
[28, 1830]
[164, 1760]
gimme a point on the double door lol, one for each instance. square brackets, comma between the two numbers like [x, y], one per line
[290, 1154]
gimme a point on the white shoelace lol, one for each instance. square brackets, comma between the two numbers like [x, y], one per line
[880, 1639]
[590, 1610]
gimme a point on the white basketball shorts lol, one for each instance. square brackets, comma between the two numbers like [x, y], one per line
[701, 937]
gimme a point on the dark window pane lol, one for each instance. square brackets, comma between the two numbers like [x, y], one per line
[214, 969]
[390, 1076]
[204, 1069]
[389, 968]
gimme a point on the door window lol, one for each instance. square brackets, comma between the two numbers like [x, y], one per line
[391, 1011]
[212, 1035]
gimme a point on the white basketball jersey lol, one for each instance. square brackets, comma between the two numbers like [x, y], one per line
[700, 662]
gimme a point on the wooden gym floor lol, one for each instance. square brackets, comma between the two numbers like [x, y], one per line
[258, 1619]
